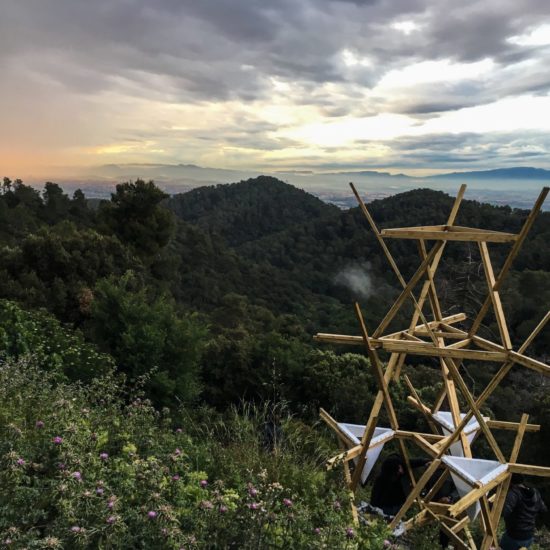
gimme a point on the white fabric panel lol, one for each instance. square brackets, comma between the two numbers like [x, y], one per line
[474, 470]
[463, 489]
[380, 437]
[445, 420]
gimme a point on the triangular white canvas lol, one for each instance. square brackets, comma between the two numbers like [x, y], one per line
[445, 420]
[467, 472]
[380, 437]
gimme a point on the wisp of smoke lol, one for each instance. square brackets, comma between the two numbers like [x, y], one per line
[357, 279]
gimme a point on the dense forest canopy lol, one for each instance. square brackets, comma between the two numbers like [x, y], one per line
[211, 297]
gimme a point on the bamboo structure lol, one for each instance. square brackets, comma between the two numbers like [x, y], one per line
[483, 484]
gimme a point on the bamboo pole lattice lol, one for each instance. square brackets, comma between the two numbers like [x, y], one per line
[430, 333]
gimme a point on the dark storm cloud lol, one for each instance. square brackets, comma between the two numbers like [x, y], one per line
[219, 49]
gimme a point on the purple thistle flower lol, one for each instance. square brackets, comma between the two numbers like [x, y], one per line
[223, 509]
[254, 506]
[61, 466]
[317, 531]
[77, 475]
[287, 502]
[75, 529]
[152, 514]
[99, 491]
[252, 491]
[175, 477]
[21, 462]
[203, 483]
[387, 543]
[177, 452]
[111, 504]
[179, 430]
[103, 456]
[39, 424]
[58, 440]
[350, 533]
[110, 520]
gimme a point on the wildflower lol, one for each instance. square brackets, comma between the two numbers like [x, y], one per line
[203, 483]
[75, 529]
[58, 440]
[177, 452]
[350, 533]
[223, 509]
[152, 514]
[175, 477]
[99, 491]
[111, 519]
[21, 462]
[287, 502]
[252, 491]
[39, 424]
[317, 531]
[103, 456]
[61, 466]
[254, 506]
[206, 505]
[110, 505]
[387, 543]
[179, 430]
[77, 475]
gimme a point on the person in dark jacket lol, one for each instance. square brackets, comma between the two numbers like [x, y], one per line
[392, 485]
[520, 511]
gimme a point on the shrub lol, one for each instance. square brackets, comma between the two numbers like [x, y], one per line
[97, 467]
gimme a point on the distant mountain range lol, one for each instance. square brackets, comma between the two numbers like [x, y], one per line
[515, 186]
[516, 173]
[182, 170]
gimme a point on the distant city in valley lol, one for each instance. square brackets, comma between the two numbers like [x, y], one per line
[517, 187]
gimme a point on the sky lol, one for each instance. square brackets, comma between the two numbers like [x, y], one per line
[413, 86]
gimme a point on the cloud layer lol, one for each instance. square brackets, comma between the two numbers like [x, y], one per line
[420, 84]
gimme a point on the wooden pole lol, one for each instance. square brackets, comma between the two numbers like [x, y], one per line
[389, 257]
[511, 257]
[495, 381]
[495, 296]
[415, 493]
[498, 506]
[383, 386]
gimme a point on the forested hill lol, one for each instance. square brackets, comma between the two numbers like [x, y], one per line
[332, 253]
[254, 267]
[248, 210]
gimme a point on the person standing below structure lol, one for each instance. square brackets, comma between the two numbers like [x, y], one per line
[521, 508]
[391, 487]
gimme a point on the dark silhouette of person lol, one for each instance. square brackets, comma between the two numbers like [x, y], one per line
[520, 511]
[392, 485]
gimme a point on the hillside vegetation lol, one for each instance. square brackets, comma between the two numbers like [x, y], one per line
[159, 386]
